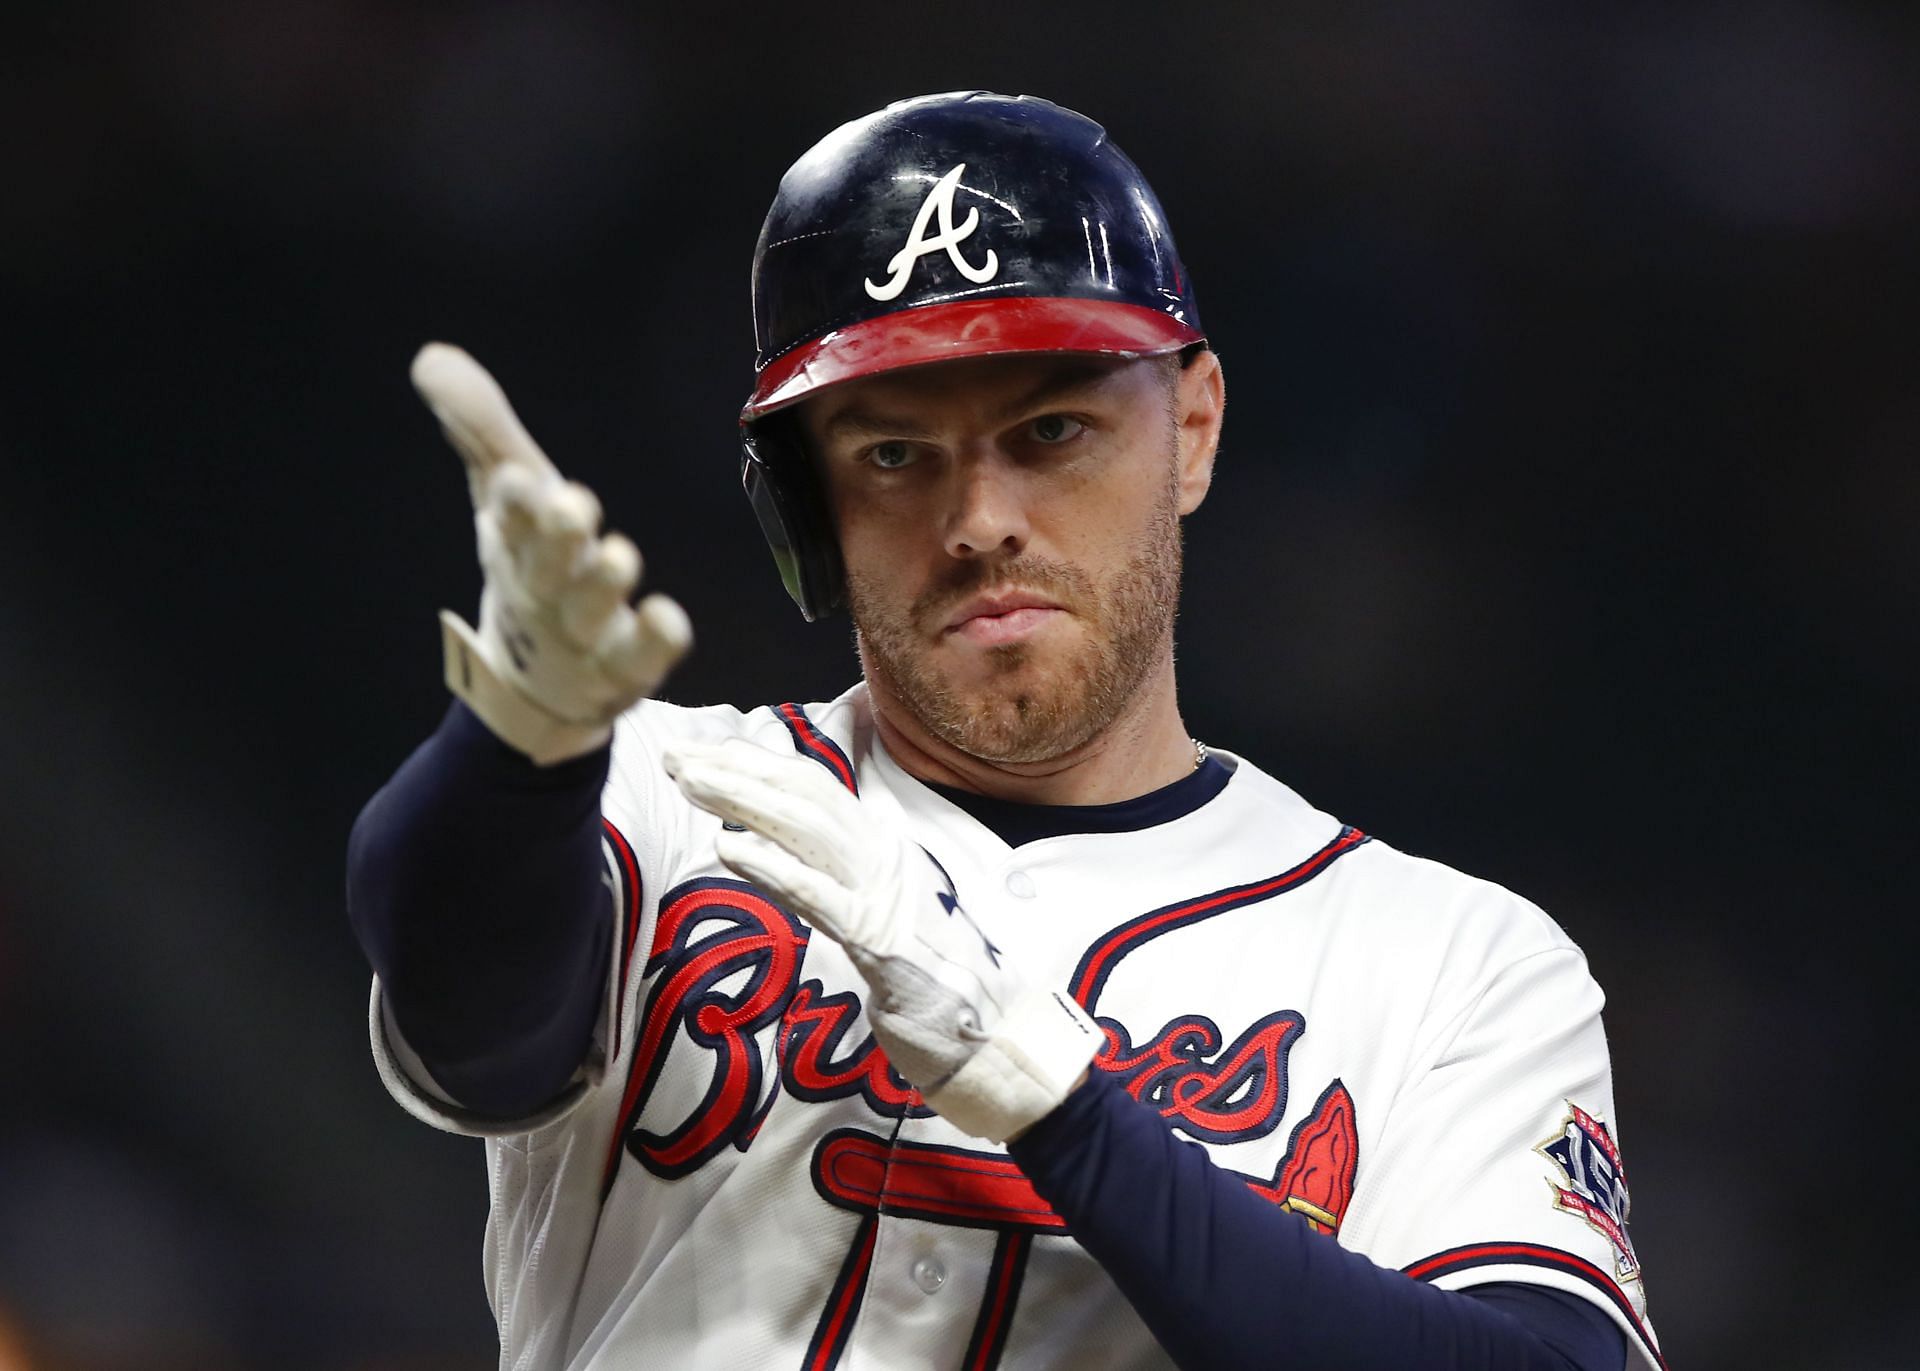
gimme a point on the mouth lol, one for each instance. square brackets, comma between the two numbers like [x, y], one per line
[1005, 617]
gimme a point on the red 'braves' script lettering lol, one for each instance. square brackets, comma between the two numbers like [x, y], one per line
[1211, 1094]
[709, 932]
[714, 933]
[811, 1069]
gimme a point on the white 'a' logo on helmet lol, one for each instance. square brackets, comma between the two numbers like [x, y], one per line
[939, 200]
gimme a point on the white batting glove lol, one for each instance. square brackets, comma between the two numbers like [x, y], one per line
[990, 1053]
[559, 652]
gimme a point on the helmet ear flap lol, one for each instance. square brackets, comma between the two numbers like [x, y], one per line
[787, 499]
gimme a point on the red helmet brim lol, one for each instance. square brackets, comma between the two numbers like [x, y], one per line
[960, 329]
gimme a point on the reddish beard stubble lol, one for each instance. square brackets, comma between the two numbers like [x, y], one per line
[1036, 705]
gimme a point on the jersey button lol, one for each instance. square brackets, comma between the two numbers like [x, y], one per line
[1021, 884]
[930, 1273]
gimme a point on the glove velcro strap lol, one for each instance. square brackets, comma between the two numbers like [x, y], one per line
[1021, 1074]
[515, 719]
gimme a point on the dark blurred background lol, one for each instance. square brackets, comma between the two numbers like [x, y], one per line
[1565, 530]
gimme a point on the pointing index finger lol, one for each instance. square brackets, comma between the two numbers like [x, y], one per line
[474, 414]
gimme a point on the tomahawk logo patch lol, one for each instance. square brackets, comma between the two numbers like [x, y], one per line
[1596, 1182]
[939, 202]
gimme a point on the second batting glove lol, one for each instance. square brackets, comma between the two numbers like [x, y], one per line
[992, 1054]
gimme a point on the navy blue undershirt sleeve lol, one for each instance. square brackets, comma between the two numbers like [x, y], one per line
[474, 884]
[1225, 1280]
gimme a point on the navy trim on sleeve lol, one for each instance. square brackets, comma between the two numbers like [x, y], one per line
[1225, 1280]
[475, 887]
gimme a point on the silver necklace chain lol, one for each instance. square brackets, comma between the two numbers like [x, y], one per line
[1199, 754]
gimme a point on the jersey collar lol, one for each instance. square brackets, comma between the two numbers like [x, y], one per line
[1015, 823]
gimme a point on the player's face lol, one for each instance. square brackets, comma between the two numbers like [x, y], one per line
[1011, 531]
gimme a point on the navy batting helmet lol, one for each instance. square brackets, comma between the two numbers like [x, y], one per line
[949, 226]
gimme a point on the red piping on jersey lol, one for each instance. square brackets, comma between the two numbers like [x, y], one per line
[830, 1338]
[809, 739]
[1098, 964]
[1533, 1254]
[1003, 1293]
[630, 934]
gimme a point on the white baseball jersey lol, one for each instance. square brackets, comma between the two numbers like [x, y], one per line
[1410, 1058]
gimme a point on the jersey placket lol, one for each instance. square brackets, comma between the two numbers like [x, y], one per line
[949, 1278]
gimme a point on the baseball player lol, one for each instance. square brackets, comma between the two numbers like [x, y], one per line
[981, 1016]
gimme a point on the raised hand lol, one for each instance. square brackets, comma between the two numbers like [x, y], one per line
[559, 652]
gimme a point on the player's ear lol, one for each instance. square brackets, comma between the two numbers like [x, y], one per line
[1199, 405]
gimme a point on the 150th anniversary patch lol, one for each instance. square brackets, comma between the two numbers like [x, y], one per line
[1595, 1187]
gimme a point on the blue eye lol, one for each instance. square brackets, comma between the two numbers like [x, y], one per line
[1055, 428]
[890, 456]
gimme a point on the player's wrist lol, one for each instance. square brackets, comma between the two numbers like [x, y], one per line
[512, 715]
[1041, 1053]
[1073, 1092]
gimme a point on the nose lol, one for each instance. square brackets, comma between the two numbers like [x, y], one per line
[987, 508]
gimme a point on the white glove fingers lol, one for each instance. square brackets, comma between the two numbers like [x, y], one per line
[474, 414]
[616, 564]
[779, 769]
[568, 509]
[566, 517]
[640, 646]
[513, 499]
[609, 571]
[557, 653]
[797, 823]
[708, 783]
[812, 894]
